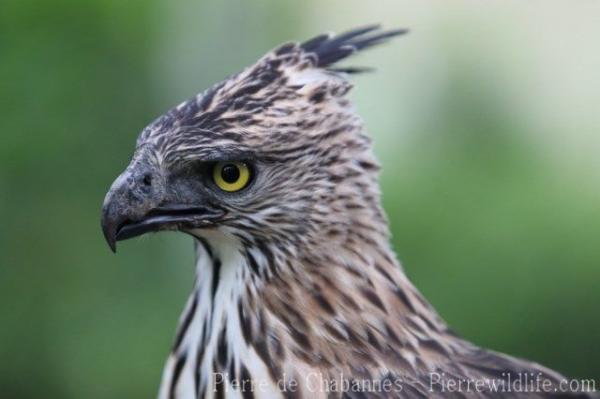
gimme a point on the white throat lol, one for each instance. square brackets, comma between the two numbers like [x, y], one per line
[209, 341]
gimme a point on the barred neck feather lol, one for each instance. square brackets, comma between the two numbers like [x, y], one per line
[312, 313]
[337, 314]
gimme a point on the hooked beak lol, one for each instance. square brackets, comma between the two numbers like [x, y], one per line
[170, 217]
[133, 207]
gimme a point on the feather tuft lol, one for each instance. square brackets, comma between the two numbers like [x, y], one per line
[330, 49]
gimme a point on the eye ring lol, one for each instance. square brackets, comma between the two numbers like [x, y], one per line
[231, 176]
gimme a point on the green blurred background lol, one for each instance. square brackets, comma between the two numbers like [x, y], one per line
[486, 119]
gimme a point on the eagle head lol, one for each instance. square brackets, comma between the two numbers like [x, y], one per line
[274, 154]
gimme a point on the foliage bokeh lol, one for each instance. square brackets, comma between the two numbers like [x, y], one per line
[490, 176]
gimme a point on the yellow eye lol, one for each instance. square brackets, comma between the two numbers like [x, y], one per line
[231, 176]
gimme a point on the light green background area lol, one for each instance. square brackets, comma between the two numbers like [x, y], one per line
[486, 120]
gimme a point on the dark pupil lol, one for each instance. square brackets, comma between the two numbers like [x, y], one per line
[230, 173]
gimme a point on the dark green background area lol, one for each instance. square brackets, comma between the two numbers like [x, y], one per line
[498, 233]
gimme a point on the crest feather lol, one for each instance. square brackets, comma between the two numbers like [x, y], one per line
[330, 49]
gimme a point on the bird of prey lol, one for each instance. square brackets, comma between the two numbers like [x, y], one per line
[297, 291]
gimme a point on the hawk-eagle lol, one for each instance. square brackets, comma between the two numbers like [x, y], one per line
[297, 291]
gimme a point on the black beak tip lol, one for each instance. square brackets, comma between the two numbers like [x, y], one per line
[113, 246]
[110, 234]
[111, 241]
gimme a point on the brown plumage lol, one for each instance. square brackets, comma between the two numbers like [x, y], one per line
[297, 287]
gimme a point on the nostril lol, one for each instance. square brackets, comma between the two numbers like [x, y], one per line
[147, 180]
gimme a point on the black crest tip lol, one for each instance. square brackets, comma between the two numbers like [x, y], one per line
[330, 49]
